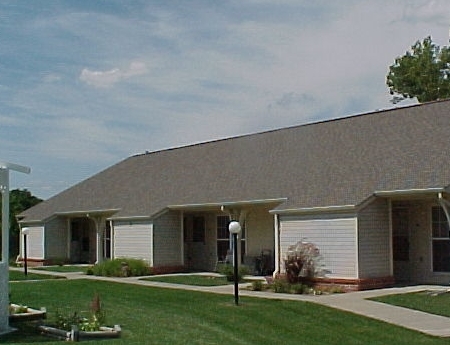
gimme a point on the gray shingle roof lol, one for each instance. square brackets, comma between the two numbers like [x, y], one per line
[330, 163]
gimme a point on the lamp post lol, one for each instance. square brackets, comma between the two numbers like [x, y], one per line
[235, 228]
[25, 232]
[5, 168]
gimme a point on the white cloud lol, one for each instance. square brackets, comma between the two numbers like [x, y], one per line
[106, 79]
[186, 73]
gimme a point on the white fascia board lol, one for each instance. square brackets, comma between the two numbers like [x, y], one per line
[406, 192]
[89, 212]
[320, 209]
[227, 204]
[133, 217]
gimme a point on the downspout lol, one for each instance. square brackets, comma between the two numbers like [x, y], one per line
[444, 204]
[276, 219]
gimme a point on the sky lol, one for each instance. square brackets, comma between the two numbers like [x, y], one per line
[85, 84]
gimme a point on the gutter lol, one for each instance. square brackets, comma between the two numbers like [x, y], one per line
[228, 203]
[339, 208]
[407, 192]
[88, 212]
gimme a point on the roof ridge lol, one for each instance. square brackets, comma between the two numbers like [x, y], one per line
[318, 122]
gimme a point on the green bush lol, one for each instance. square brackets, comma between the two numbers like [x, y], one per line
[281, 285]
[257, 285]
[299, 289]
[121, 268]
[228, 272]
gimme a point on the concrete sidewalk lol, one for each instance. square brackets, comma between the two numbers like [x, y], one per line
[354, 302]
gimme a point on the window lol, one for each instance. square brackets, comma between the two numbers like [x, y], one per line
[198, 231]
[223, 238]
[441, 240]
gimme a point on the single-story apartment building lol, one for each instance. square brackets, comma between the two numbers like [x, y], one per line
[370, 191]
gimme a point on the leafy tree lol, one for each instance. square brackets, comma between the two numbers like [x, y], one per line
[19, 201]
[423, 72]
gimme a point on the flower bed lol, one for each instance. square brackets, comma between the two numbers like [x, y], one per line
[76, 327]
[77, 335]
[19, 313]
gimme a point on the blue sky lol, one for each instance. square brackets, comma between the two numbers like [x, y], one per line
[86, 84]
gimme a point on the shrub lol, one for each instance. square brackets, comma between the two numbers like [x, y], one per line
[299, 289]
[257, 285]
[121, 268]
[228, 271]
[281, 285]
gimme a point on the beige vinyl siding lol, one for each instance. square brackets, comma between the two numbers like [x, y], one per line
[335, 238]
[56, 239]
[374, 239]
[35, 243]
[168, 248]
[133, 240]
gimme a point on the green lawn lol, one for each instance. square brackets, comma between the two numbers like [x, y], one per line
[167, 316]
[20, 275]
[425, 301]
[191, 279]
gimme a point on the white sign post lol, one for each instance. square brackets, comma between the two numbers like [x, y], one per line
[4, 272]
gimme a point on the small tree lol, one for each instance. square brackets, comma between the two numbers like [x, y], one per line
[423, 72]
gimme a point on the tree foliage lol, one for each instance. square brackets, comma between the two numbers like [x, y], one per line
[19, 201]
[423, 72]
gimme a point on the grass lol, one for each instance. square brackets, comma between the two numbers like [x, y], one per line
[191, 279]
[20, 275]
[167, 316]
[438, 304]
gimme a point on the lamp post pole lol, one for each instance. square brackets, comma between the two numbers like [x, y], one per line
[25, 254]
[235, 228]
[25, 232]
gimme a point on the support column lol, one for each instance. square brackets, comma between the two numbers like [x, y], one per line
[99, 232]
[277, 244]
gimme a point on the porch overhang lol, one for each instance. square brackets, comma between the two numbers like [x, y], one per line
[89, 213]
[319, 209]
[226, 204]
[408, 192]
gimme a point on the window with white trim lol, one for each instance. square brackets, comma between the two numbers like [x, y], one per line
[223, 237]
[441, 240]
[224, 243]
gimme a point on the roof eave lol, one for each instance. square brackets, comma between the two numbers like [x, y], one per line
[409, 192]
[319, 209]
[241, 203]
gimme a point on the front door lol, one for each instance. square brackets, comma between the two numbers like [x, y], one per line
[82, 245]
[401, 243]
